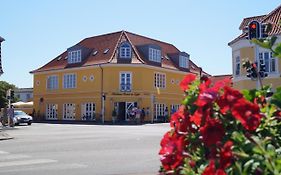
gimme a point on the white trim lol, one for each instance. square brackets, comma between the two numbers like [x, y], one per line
[75, 85]
[72, 115]
[131, 80]
[50, 89]
[155, 83]
[71, 59]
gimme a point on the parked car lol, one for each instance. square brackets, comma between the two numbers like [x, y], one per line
[22, 117]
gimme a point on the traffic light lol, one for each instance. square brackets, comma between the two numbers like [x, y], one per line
[12, 94]
[252, 71]
[253, 30]
[265, 29]
[262, 71]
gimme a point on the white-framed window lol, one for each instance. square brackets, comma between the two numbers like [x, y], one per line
[74, 56]
[125, 50]
[88, 111]
[237, 65]
[52, 82]
[125, 81]
[159, 80]
[69, 111]
[174, 108]
[69, 81]
[183, 61]
[154, 55]
[51, 111]
[159, 109]
[269, 61]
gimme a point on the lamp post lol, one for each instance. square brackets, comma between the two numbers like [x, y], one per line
[1, 70]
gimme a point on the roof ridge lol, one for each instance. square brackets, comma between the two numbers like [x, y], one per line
[101, 35]
[152, 39]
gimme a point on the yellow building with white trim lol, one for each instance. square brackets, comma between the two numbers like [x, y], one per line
[119, 71]
[243, 49]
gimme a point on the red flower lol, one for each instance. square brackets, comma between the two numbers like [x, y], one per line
[228, 99]
[212, 132]
[211, 169]
[171, 152]
[247, 113]
[206, 97]
[188, 79]
[180, 121]
[226, 156]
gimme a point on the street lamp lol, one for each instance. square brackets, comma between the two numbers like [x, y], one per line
[1, 70]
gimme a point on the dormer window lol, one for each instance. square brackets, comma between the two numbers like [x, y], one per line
[125, 50]
[74, 56]
[183, 61]
[154, 55]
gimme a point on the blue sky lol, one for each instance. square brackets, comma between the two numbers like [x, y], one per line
[37, 31]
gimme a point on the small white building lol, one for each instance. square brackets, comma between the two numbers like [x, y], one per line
[24, 94]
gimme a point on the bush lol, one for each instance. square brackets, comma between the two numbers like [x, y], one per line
[219, 130]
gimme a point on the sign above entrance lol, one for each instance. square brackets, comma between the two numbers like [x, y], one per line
[126, 93]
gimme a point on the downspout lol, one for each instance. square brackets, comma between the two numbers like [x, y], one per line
[102, 94]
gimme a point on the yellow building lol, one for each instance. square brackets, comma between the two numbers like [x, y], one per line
[243, 49]
[120, 70]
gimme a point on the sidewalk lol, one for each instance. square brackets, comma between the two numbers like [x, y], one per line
[3, 134]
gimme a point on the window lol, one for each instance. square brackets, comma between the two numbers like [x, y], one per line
[28, 96]
[174, 108]
[125, 50]
[183, 61]
[88, 111]
[267, 59]
[69, 81]
[159, 109]
[237, 65]
[52, 82]
[51, 111]
[105, 51]
[74, 56]
[160, 80]
[154, 55]
[69, 111]
[125, 81]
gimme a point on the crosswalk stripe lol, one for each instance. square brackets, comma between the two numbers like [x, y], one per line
[13, 156]
[26, 162]
[4, 152]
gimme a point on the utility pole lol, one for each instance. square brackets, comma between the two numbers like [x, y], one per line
[1, 70]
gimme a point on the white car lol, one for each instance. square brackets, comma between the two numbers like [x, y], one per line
[22, 117]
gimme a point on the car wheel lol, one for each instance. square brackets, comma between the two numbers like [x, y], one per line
[29, 123]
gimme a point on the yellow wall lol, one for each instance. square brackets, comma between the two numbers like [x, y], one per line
[90, 91]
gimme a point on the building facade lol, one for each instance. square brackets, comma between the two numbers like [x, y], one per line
[116, 71]
[243, 48]
[24, 94]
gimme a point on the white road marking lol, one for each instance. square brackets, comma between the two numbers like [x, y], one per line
[4, 152]
[26, 162]
[13, 156]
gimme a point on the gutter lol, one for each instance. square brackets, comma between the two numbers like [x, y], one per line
[102, 94]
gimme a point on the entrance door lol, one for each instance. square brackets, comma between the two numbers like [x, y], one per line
[129, 107]
[121, 111]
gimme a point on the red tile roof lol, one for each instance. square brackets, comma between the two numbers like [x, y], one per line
[274, 18]
[110, 41]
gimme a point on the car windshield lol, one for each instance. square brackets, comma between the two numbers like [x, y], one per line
[20, 113]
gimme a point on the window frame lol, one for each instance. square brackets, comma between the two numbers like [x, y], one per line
[50, 113]
[268, 63]
[237, 71]
[183, 61]
[125, 50]
[154, 55]
[160, 80]
[74, 56]
[54, 83]
[125, 84]
[66, 84]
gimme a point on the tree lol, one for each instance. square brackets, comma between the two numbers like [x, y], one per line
[4, 86]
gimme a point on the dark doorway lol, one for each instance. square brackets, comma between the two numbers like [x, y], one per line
[121, 111]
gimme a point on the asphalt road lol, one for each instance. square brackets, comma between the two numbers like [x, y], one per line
[82, 149]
